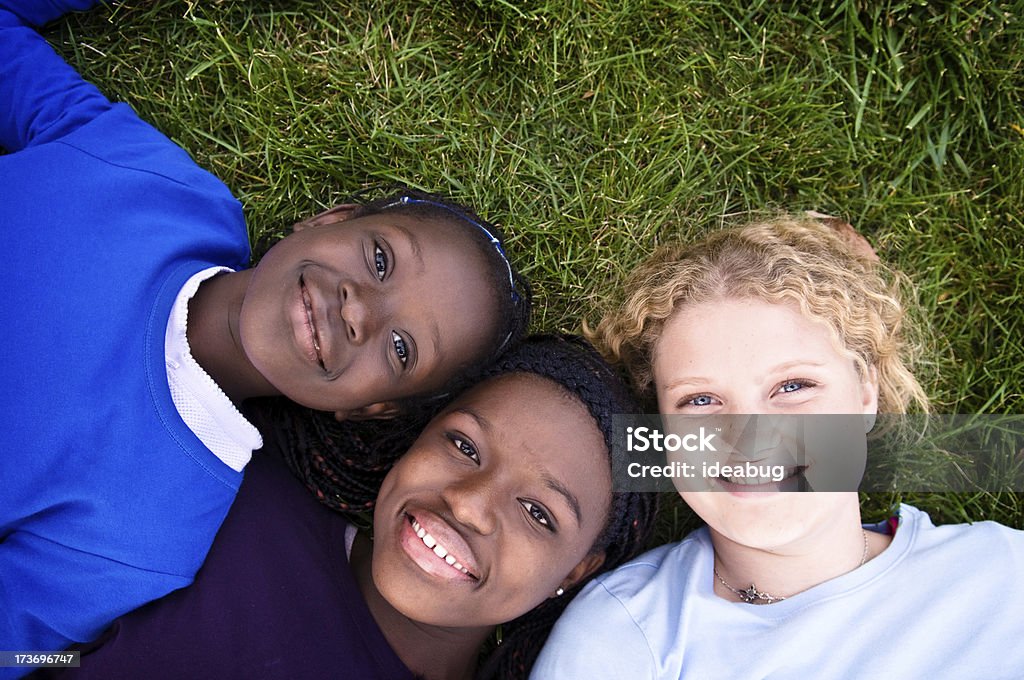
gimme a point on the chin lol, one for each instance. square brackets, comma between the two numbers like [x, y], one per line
[787, 518]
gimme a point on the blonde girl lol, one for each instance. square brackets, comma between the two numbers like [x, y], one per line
[782, 318]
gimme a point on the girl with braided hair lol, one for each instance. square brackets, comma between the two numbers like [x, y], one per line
[782, 318]
[497, 513]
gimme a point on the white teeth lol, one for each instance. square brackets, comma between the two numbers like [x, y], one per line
[753, 481]
[309, 318]
[750, 481]
[438, 549]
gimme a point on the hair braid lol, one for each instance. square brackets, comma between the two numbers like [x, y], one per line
[342, 463]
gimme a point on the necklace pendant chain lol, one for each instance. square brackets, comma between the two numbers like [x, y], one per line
[751, 595]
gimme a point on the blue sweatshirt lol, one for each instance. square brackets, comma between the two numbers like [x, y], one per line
[107, 499]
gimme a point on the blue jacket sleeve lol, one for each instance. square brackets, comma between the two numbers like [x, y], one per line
[41, 97]
[39, 12]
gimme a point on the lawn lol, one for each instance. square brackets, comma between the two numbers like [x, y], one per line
[594, 130]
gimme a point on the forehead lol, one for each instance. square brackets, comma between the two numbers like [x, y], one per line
[524, 400]
[743, 334]
[446, 231]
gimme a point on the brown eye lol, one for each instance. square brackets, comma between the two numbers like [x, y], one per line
[401, 350]
[380, 262]
[537, 514]
[465, 447]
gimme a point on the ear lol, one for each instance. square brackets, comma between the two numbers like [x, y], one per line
[338, 213]
[382, 410]
[869, 392]
[587, 566]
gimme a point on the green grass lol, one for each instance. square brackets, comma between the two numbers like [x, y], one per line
[593, 130]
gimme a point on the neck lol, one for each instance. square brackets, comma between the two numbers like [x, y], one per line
[213, 337]
[832, 550]
[431, 652]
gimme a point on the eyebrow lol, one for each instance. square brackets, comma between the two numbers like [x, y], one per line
[414, 245]
[549, 481]
[799, 362]
[480, 420]
[687, 381]
[561, 489]
[435, 337]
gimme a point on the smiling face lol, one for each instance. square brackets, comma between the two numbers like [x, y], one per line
[495, 506]
[377, 308]
[742, 356]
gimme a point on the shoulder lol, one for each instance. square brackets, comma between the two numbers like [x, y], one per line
[616, 626]
[978, 554]
[269, 487]
[986, 535]
[656, 570]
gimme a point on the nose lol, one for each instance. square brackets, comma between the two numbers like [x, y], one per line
[753, 436]
[360, 312]
[472, 500]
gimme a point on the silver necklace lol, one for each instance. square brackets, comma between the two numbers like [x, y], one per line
[751, 595]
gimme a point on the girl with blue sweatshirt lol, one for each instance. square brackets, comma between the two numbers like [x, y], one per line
[133, 330]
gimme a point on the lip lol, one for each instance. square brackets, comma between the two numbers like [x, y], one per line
[794, 480]
[306, 329]
[447, 541]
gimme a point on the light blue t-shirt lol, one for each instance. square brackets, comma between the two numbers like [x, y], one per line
[939, 602]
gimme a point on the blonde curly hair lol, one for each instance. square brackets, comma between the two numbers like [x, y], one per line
[789, 259]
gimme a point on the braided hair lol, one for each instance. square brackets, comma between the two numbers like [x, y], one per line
[573, 364]
[341, 463]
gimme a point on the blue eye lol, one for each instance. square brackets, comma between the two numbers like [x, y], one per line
[537, 514]
[380, 262]
[792, 386]
[700, 400]
[401, 350]
[465, 447]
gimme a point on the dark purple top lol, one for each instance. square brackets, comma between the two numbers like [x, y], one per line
[276, 598]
